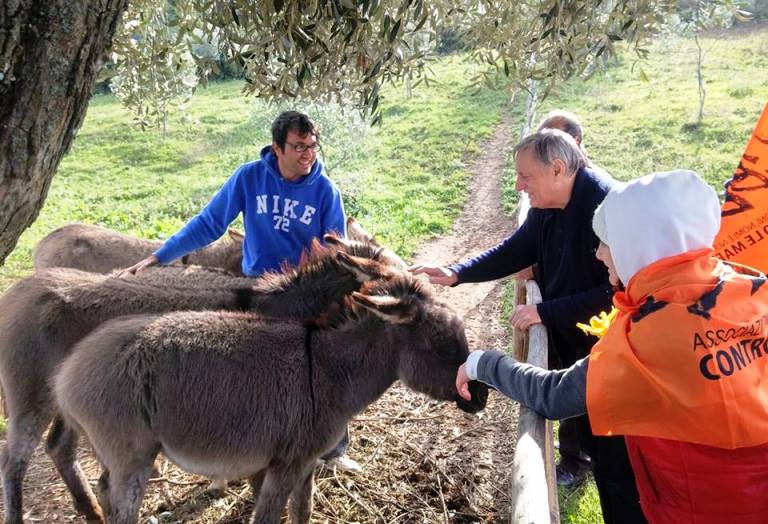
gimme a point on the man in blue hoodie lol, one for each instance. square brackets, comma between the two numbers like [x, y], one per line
[286, 199]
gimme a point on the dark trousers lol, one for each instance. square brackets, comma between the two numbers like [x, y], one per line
[574, 434]
[615, 481]
[575, 437]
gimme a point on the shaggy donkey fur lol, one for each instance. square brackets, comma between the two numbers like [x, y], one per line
[44, 315]
[100, 250]
[230, 394]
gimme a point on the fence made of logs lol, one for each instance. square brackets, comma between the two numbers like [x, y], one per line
[534, 488]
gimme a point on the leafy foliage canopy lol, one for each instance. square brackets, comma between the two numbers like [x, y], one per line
[347, 49]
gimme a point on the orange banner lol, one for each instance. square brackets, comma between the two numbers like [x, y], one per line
[743, 236]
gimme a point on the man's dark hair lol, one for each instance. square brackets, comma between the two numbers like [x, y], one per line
[563, 120]
[292, 121]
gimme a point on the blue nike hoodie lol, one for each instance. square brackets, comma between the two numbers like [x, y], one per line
[280, 217]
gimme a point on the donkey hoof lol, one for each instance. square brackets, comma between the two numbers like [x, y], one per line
[96, 520]
[217, 488]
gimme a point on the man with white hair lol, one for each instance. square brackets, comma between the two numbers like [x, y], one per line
[681, 369]
[557, 237]
[574, 458]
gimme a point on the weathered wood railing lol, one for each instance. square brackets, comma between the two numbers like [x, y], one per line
[534, 488]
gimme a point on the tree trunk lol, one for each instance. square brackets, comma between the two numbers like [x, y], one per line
[50, 54]
[700, 77]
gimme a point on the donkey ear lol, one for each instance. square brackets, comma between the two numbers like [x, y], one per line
[364, 269]
[236, 235]
[357, 232]
[335, 240]
[389, 309]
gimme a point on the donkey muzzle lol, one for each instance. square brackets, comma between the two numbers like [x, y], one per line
[479, 392]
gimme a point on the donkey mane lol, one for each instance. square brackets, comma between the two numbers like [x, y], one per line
[403, 285]
[356, 248]
[318, 259]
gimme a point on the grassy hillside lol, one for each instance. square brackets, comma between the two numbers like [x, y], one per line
[140, 183]
[635, 126]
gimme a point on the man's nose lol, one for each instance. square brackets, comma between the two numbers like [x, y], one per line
[519, 186]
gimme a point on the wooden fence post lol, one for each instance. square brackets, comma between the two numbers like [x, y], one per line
[534, 488]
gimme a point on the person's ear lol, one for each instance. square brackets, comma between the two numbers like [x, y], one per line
[558, 167]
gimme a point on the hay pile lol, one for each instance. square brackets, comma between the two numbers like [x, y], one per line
[423, 462]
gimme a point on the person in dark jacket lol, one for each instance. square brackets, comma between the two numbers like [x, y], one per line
[574, 460]
[681, 369]
[557, 237]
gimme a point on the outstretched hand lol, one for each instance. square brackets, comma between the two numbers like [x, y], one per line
[462, 383]
[437, 274]
[151, 260]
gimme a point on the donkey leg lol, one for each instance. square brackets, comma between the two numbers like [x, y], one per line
[277, 486]
[126, 491]
[102, 490]
[300, 504]
[24, 433]
[256, 481]
[217, 488]
[62, 448]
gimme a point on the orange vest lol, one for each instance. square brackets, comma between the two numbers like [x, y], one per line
[687, 356]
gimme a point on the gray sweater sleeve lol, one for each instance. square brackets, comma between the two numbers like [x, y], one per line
[556, 395]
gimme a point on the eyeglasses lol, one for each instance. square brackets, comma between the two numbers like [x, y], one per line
[300, 148]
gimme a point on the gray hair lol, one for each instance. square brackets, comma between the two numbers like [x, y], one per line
[564, 120]
[549, 145]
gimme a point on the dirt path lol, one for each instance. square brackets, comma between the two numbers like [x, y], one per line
[424, 461]
[482, 224]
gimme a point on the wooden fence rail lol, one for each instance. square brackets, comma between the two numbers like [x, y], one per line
[534, 487]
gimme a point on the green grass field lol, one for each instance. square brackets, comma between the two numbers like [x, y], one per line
[634, 127]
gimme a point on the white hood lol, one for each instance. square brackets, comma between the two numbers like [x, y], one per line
[656, 216]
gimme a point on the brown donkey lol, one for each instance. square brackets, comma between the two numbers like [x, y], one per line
[44, 315]
[235, 395]
[100, 250]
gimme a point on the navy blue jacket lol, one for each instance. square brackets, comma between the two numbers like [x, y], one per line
[574, 284]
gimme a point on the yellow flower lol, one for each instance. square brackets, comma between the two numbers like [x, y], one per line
[598, 325]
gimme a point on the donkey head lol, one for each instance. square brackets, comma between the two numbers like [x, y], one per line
[435, 344]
